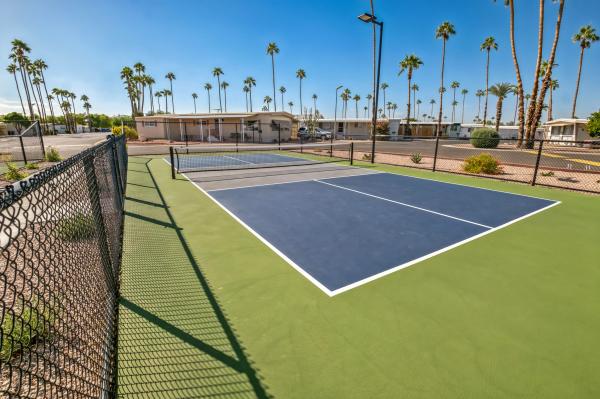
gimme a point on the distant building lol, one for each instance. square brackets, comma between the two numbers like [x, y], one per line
[505, 131]
[567, 130]
[261, 127]
[360, 129]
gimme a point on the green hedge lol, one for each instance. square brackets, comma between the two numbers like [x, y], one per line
[485, 138]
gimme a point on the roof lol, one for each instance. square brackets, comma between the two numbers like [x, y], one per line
[214, 115]
[369, 120]
[565, 121]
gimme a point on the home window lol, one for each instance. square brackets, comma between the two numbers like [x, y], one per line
[148, 124]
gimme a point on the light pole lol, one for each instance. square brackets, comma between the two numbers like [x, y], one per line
[334, 132]
[368, 18]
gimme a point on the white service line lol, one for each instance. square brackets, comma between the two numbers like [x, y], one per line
[237, 159]
[405, 204]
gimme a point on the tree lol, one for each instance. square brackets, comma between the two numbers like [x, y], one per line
[150, 82]
[394, 108]
[291, 105]
[454, 85]
[272, 49]
[384, 86]
[444, 32]
[224, 86]
[479, 93]
[171, 77]
[356, 99]
[18, 120]
[593, 125]
[515, 92]
[464, 93]
[246, 89]
[419, 102]
[369, 98]
[314, 97]
[208, 88]
[488, 44]
[12, 69]
[365, 108]
[158, 95]
[250, 82]
[167, 93]
[18, 55]
[267, 100]
[194, 97]
[282, 90]
[432, 102]
[500, 90]
[585, 37]
[300, 74]
[553, 86]
[218, 72]
[409, 64]
[415, 89]
[87, 106]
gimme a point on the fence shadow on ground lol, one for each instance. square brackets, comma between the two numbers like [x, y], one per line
[174, 339]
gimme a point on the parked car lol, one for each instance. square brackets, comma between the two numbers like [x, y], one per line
[305, 134]
[322, 134]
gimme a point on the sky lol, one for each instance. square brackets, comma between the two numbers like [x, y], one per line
[86, 44]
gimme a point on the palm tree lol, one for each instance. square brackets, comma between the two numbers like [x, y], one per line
[218, 72]
[158, 95]
[500, 90]
[208, 88]
[384, 86]
[41, 67]
[167, 93]
[365, 108]
[300, 74]
[409, 64]
[585, 37]
[415, 89]
[419, 102]
[432, 102]
[224, 86]
[553, 86]
[250, 82]
[272, 49]
[282, 90]
[369, 98]
[150, 82]
[291, 105]
[18, 55]
[246, 89]
[455, 85]
[267, 100]
[12, 69]
[464, 93]
[515, 92]
[314, 97]
[127, 77]
[444, 31]
[171, 77]
[488, 44]
[194, 97]
[87, 106]
[479, 93]
[394, 108]
[356, 99]
[527, 98]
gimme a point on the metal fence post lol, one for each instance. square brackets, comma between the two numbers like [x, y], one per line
[352, 153]
[537, 163]
[171, 155]
[279, 135]
[437, 144]
[116, 170]
[23, 149]
[41, 140]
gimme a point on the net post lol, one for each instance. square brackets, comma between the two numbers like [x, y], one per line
[237, 138]
[537, 162]
[23, 149]
[352, 153]
[172, 162]
[435, 154]
[186, 134]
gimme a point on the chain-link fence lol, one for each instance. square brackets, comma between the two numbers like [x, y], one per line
[573, 165]
[61, 237]
[24, 147]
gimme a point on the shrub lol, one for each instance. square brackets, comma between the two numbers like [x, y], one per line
[485, 138]
[13, 173]
[130, 133]
[382, 129]
[416, 157]
[31, 166]
[593, 125]
[482, 163]
[52, 155]
[78, 227]
[366, 157]
[547, 174]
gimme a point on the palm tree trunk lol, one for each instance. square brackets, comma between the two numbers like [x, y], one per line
[498, 113]
[356, 105]
[549, 116]
[172, 101]
[301, 109]
[516, 107]
[166, 103]
[250, 99]
[52, 114]
[521, 132]
[219, 88]
[246, 93]
[414, 96]
[487, 87]
[47, 98]
[273, 76]
[208, 93]
[195, 106]
[453, 106]
[151, 99]
[225, 95]
[577, 85]
[407, 125]
[26, 89]
[478, 106]
[37, 103]
[19, 92]
[529, 128]
[282, 103]
[462, 116]
[439, 124]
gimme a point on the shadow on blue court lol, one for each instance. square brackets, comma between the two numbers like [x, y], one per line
[346, 231]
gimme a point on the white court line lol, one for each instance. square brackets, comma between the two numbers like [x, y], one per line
[405, 204]
[366, 280]
[237, 159]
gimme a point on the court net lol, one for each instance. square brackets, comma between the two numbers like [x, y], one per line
[209, 158]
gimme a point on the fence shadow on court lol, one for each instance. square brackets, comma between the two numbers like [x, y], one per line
[174, 339]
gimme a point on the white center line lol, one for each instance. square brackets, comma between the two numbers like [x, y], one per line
[404, 204]
[237, 159]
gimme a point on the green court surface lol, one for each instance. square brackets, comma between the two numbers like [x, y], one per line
[208, 310]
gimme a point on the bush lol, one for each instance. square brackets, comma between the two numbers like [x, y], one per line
[52, 155]
[482, 164]
[416, 157]
[593, 125]
[485, 138]
[366, 157]
[31, 166]
[130, 133]
[78, 227]
[13, 173]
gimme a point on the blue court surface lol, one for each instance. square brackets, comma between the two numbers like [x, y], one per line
[342, 232]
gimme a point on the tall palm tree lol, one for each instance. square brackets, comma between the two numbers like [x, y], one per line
[158, 95]
[464, 93]
[314, 98]
[208, 88]
[432, 102]
[87, 106]
[171, 77]
[500, 90]
[409, 64]
[369, 98]
[585, 37]
[301, 74]
[250, 82]
[418, 102]
[150, 82]
[41, 66]
[30, 71]
[127, 77]
[224, 86]
[18, 55]
[12, 69]
[272, 49]
[218, 72]
[356, 99]
[282, 90]
[479, 93]
[246, 89]
[194, 97]
[394, 108]
[454, 85]
[515, 92]
[267, 100]
[553, 86]
[415, 89]
[527, 98]
[167, 93]
[488, 44]
[384, 87]
[444, 32]
[365, 108]
[291, 105]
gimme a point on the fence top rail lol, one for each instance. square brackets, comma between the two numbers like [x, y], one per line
[258, 147]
